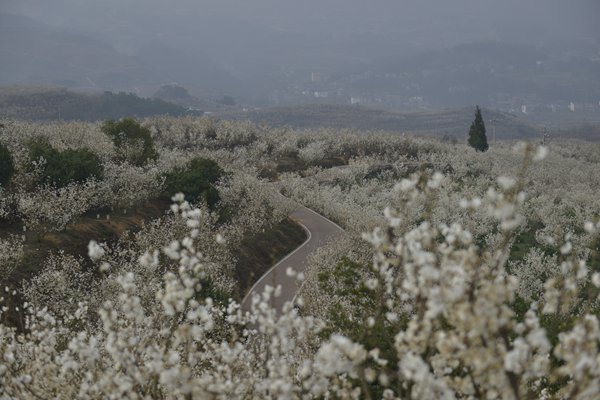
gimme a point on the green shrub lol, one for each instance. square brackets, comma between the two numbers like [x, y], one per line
[39, 147]
[360, 303]
[62, 168]
[7, 167]
[196, 180]
[133, 141]
[78, 166]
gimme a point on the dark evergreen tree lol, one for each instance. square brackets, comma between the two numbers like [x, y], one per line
[477, 138]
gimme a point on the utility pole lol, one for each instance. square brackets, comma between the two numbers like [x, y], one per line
[493, 121]
[545, 136]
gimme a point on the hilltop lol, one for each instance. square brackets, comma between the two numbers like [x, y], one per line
[55, 103]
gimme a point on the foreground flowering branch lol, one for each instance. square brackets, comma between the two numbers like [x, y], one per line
[449, 306]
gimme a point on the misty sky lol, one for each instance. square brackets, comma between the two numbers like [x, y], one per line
[260, 47]
[446, 18]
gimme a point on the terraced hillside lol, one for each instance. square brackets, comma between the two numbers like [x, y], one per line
[453, 123]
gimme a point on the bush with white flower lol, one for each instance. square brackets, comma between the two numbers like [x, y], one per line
[481, 281]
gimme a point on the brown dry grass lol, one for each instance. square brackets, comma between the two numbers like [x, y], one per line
[75, 238]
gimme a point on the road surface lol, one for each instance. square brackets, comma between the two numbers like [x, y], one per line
[319, 230]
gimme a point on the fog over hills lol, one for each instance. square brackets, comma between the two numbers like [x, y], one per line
[398, 55]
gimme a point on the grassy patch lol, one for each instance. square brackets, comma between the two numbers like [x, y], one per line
[295, 164]
[524, 242]
[290, 164]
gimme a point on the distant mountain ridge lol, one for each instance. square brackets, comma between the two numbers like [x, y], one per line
[34, 53]
[313, 62]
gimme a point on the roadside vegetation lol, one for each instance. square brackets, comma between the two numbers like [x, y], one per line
[462, 273]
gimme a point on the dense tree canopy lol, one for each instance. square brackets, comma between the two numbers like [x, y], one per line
[479, 282]
[196, 180]
[39, 104]
[134, 142]
[61, 168]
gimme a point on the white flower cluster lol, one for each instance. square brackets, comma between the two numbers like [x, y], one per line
[11, 253]
[445, 309]
[51, 209]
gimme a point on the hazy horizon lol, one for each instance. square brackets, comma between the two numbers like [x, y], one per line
[269, 50]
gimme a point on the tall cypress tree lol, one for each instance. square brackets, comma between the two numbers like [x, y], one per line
[477, 138]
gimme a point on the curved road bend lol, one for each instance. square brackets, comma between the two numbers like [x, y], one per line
[320, 230]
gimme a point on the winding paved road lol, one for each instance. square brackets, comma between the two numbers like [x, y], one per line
[320, 230]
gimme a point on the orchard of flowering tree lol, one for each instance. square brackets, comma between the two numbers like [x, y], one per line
[461, 274]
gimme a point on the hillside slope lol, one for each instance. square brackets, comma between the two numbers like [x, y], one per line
[453, 123]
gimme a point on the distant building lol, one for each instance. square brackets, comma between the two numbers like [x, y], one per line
[315, 77]
[321, 95]
[572, 107]
[524, 109]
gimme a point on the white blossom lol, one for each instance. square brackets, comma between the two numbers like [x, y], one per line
[95, 251]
